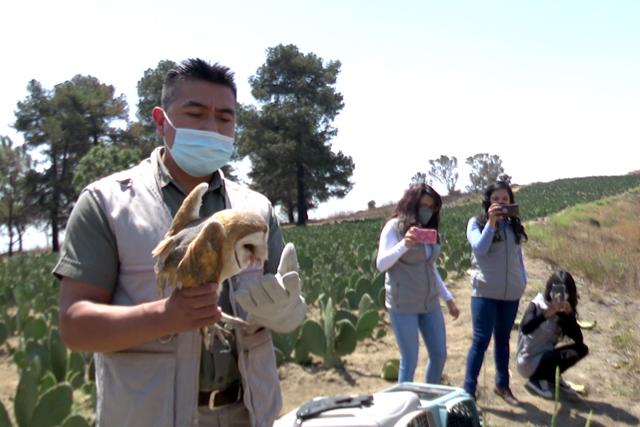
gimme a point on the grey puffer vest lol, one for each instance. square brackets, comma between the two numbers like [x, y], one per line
[156, 383]
[532, 346]
[498, 273]
[410, 284]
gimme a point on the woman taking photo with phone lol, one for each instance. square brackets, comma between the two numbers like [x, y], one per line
[408, 249]
[548, 318]
[498, 279]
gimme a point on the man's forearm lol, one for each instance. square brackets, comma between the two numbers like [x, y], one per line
[96, 327]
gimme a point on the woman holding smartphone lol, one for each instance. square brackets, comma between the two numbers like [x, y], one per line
[498, 279]
[549, 317]
[408, 249]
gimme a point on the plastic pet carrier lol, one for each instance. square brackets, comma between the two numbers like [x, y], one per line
[405, 404]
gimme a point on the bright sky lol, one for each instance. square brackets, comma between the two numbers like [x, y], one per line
[552, 87]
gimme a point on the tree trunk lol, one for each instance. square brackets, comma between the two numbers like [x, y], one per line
[10, 226]
[55, 245]
[20, 234]
[55, 207]
[302, 202]
[290, 208]
[55, 201]
[290, 214]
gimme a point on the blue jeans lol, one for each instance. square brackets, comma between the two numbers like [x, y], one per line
[431, 326]
[490, 316]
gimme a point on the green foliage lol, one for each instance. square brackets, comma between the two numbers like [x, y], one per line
[284, 344]
[4, 332]
[37, 352]
[346, 338]
[150, 91]
[366, 324]
[35, 328]
[288, 137]
[62, 125]
[391, 370]
[443, 169]
[46, 382]
[102, 160]
[15, 212]
[346, 314]
[419, 178]
[5, 421]
[89, 389]
[327, 311]
[542, 199]
[340, 335]
[75, 421]
[26, 396]
[28, 289]
[485, 169]
[75, 366]
[334, 336]
[313, 337]
[366, 303]
[53, 406]
[149, 88]
[337, 265]
[57, 355]
[588, 423]
[381, 333]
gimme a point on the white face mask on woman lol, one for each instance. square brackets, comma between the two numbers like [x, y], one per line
[199, 152]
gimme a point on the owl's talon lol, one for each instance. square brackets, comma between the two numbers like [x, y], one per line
[232, 321]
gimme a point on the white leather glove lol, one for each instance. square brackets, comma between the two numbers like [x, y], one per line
[275, 301]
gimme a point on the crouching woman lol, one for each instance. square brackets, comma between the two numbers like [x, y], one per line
[548, 319]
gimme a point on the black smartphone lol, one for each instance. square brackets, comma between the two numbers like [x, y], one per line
[511, 209]
[558, 292]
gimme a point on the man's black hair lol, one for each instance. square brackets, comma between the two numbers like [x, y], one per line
[195, 69]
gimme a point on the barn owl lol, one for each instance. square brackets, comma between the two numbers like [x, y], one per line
[203, 250]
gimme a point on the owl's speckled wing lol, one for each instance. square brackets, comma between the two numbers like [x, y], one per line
[202, 262]
[189, 210]
[184, 228]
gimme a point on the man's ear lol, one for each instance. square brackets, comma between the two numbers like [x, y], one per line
[158, 119]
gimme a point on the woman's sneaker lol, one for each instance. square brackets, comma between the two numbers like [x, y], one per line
[540, 387]
[566, 388]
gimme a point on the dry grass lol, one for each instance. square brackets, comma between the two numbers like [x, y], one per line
[600, 241]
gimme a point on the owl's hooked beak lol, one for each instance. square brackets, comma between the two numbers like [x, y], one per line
[253, 260]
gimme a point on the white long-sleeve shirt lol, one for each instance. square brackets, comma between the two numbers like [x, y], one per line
[391, 249]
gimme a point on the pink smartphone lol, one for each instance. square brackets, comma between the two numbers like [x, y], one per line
[427, 235]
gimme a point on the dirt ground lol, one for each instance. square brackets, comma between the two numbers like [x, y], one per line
[608, 395]
[611, 387]
[8, 378]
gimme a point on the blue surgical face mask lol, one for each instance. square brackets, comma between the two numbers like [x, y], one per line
[424, 215]
[200, 152]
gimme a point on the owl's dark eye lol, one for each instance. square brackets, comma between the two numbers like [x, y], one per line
[249, 247]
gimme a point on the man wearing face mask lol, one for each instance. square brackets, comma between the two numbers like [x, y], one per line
[151, 366]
